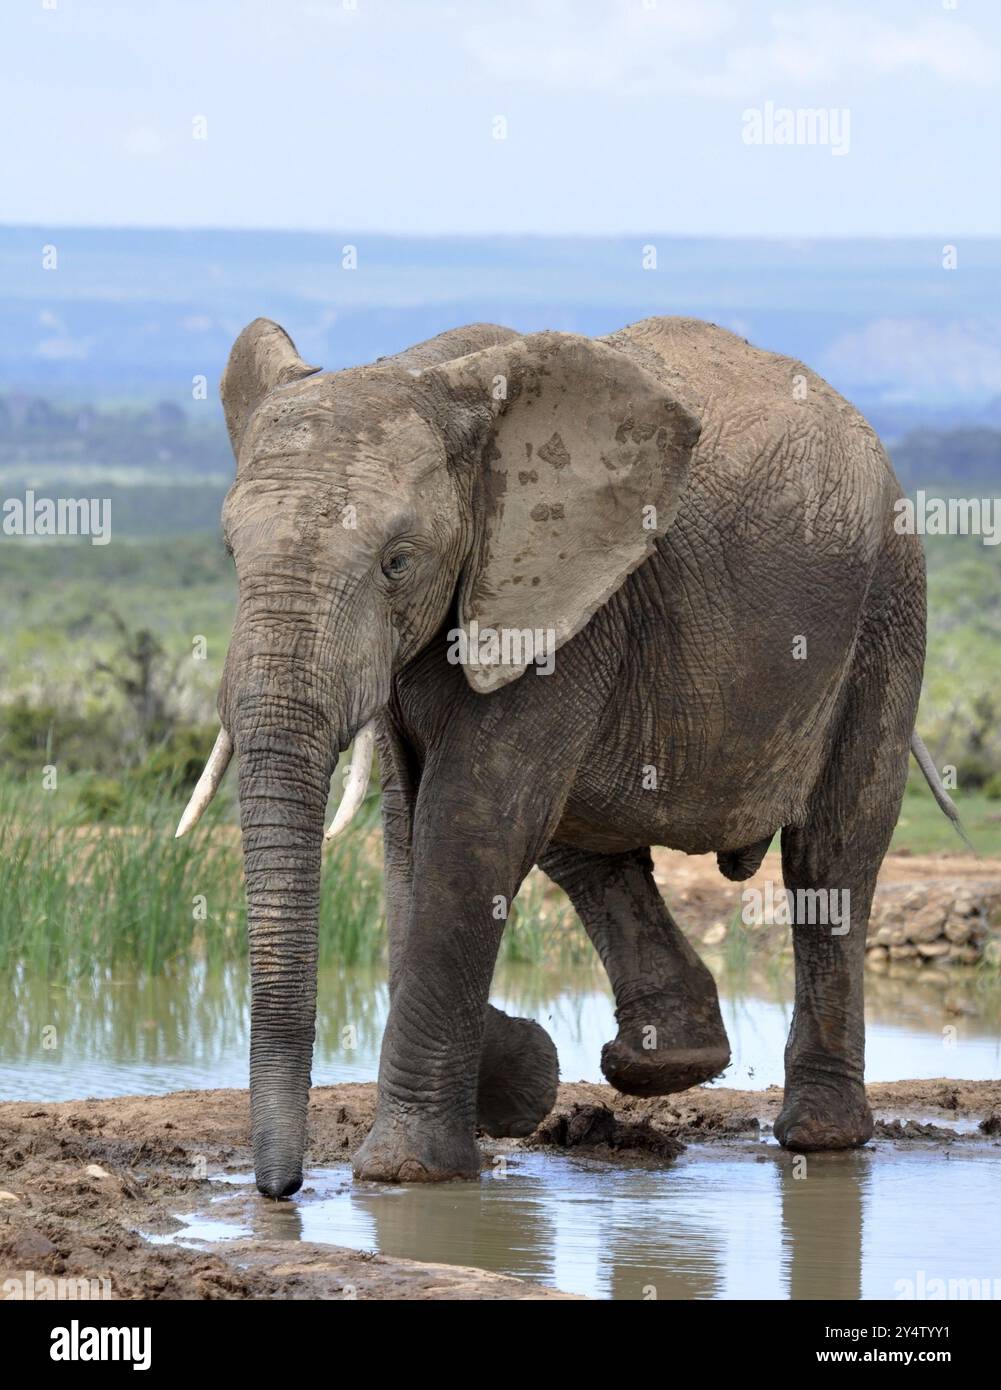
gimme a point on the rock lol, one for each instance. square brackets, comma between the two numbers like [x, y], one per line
[913, 1129]
[715, 934]
[94, 1170]
[884, 937]
[903, 952]
[877, 957]
[931, 950]
[8, 1197]
[992, 953]
[958, 929]
[926, 924]
[964, 955]
[31, 1248]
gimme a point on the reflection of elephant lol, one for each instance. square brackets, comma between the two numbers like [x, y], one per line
[739, 636]
[822, 1225]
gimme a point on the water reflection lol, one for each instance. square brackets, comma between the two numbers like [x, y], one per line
[822, 1200]
[124, 1033]
[753, 1223]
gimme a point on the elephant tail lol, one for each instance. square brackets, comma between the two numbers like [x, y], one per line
[939, 792]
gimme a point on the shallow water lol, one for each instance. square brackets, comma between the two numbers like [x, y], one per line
[124, 1035]
[715, 1223]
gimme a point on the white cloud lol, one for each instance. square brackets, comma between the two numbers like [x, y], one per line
[712, 51]
[64, 349]
[919, 359]
[144, 141]
[829, 45]
[618, 47]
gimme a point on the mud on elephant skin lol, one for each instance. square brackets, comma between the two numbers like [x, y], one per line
[562, 584]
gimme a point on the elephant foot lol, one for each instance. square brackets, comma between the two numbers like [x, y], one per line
[669, 1043]
[658, 1055]
[519, 1076]
[400, 1151]
[818, 1117]
[636, 1072]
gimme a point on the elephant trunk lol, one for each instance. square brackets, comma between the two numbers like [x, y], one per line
[285, 768]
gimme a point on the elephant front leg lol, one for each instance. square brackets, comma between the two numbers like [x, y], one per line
[492, 790]
[518, 1065]
[424, 1128]
[441, 1033]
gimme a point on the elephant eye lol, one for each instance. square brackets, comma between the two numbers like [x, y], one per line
[396, 565]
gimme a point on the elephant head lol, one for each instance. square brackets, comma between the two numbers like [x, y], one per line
[511, 486]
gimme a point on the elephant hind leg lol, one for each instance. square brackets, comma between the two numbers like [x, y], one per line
[830, 864]
[671, 1033]
[830, 893]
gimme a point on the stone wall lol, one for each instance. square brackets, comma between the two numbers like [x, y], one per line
[940, 922]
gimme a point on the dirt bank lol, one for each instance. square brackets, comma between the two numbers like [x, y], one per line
[80, 1179]
[954, 901]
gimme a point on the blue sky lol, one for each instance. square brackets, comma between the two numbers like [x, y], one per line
[621, 115]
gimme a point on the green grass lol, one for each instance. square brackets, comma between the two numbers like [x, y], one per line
[74, 896]
[542, 927]
[923, 829]
[78, 897]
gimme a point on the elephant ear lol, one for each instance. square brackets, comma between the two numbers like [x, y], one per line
[584, 459]
[262, 358]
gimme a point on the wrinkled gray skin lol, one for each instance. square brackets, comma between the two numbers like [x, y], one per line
[708, 529]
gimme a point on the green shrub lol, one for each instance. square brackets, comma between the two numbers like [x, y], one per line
[178, 761]
[101, 798]
[974, 771]
[33, 735]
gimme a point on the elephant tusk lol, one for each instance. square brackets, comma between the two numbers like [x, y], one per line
[208, 783]
[356, 781]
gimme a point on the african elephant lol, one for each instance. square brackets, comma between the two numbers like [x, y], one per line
[589, 596]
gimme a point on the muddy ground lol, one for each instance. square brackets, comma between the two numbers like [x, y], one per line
[80, 1179]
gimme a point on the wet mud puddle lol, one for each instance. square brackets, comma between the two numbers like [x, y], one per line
[715, 1223]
